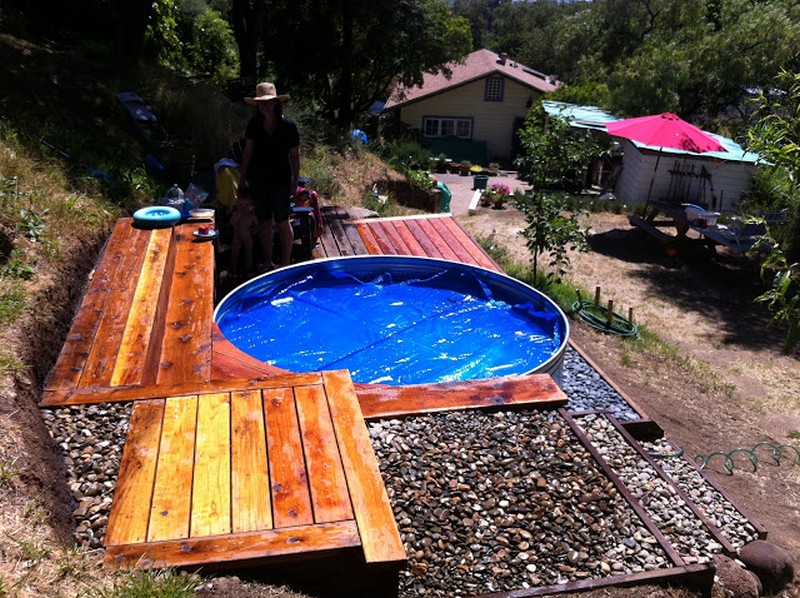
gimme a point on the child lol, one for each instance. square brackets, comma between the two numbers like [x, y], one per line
[245, 225]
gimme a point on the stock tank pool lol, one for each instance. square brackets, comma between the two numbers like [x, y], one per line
[396, 320]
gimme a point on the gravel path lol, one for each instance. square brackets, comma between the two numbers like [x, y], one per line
[485, 502]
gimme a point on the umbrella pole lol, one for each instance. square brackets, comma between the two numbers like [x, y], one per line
[653, 178]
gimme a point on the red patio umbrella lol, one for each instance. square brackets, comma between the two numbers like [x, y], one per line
[664, 130]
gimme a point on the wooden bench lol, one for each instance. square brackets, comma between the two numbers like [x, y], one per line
[146, 317]
[252, 474]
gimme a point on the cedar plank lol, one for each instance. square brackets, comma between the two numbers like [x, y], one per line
[382, 239]
[131, 358]
[326, 477]
[70, 363]
[380, 539]
[157, 391]
[127, 522]
[171, 505]
[211, 489]
[412, 244]
[291, 500]
[186, 350]
[228, 361]
[368, 237]
[454, 243]
[398, 244]
[249, 471]
[379, 401]
[102, 357]
[266, 544]
[471, 245]
[441, 247]
[421, 236]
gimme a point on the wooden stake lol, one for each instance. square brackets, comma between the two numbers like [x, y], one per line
[610, 312]
[597, 297]
[630, 315]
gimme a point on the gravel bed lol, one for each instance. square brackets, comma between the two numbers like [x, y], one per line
[714, 505]
[91, 438]
[686, 532]
[489, 502]
[587, 391]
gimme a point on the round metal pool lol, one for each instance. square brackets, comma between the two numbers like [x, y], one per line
[396, 320]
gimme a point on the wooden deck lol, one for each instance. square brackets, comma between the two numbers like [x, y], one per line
[251, 474]
[229, 460]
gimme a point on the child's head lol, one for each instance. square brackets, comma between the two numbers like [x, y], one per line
[244, 201]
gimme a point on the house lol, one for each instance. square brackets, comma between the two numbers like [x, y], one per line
[715, 180]
[474, 113]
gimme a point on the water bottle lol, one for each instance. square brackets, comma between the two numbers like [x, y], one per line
[175, 198]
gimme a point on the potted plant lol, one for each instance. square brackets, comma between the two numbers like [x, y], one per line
[496, 195]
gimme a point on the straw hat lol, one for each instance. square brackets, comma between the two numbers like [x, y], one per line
[266, 92]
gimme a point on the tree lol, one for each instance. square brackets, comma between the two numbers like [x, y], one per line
[341, 57]
[552, 157]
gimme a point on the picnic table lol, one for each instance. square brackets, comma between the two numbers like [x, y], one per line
[683, 218]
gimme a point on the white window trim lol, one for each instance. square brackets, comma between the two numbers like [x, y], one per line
[455, 119]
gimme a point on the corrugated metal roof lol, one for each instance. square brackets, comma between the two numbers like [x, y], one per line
[592, 117]
[477, 65]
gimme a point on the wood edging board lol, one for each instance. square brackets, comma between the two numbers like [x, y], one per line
[257, 546]
[118, 394]
[538, 390]
[716, 533]
[693, 577]
[651, 526]
[645, 427]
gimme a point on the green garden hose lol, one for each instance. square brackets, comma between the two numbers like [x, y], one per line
[776, 451]
[597, 317]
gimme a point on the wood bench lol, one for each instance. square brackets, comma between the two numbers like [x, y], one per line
[146, 317]
[253, 474]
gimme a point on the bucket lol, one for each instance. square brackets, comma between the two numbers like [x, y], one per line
[479, 181]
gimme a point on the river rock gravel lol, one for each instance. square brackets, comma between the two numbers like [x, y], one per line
[487, 502]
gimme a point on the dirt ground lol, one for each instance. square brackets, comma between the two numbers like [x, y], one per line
[726, 386]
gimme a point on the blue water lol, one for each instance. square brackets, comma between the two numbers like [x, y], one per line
[392, 328]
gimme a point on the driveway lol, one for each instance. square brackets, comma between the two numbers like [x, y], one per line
[461, 188]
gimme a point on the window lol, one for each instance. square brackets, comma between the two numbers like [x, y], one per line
[445, 126]
[494, 89]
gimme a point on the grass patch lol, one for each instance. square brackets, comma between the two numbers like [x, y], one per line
[166, 583]
[12, 300]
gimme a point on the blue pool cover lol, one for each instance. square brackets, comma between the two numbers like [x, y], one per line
[394, 320]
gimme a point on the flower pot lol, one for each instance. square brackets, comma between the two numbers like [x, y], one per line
[479, 181]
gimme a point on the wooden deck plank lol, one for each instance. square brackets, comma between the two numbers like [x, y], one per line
[186, 351]
[171, 504]
[99, 363]
[252, 510]
[337, 225]
[427, 245]
[382, 239]
[117, 394]
[131, 359]
[128, 520]
[453, 242]
[380, 539]
[412, 244]
[398, 242]
[228, 361]
[379, 402]
[291, 499]
[246, 547]
[477, 252]
[211, 490]
[368, 236]
[327, 481]
[441, 246]
[68, 368]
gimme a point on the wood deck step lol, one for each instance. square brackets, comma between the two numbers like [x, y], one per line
[250, 474]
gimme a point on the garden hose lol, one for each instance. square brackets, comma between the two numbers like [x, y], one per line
[776, 451]
[597, 317]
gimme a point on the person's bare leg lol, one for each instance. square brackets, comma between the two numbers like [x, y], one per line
[265, 235]
[247, 246]
[287, 240]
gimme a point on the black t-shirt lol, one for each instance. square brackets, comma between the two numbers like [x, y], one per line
[270, 161]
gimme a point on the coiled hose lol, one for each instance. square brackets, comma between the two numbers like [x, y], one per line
[775, 450]
[597, 317]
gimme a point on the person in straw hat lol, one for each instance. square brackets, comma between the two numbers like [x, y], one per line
[270, 169]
